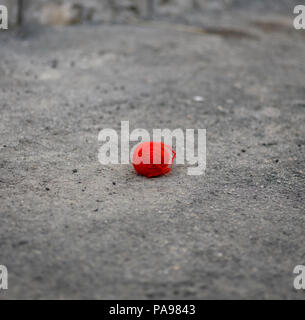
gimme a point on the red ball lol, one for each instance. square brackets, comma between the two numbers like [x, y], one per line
[153, 159]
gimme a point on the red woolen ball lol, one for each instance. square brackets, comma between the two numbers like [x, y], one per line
[152, 159]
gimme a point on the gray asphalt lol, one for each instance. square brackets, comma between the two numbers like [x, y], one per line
[71, 228]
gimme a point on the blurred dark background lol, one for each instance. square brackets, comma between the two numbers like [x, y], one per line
[126, 10]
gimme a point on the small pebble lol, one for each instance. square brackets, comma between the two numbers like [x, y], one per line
[198, 99]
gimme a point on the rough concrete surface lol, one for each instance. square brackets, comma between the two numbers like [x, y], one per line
[71, 228]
